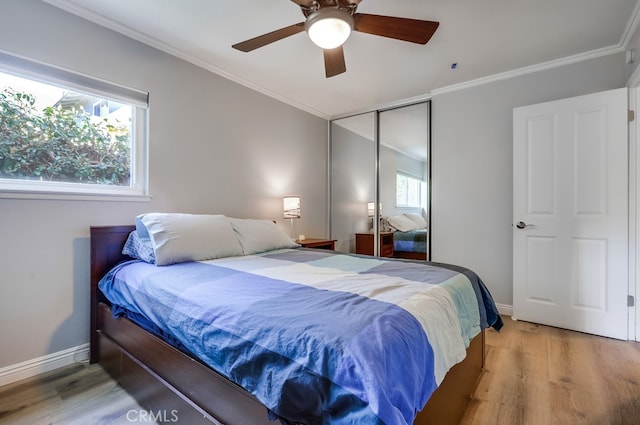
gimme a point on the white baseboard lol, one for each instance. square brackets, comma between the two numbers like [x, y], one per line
[30, 368]
[505, 309]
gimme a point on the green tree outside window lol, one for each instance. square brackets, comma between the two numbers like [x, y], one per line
[61, 144]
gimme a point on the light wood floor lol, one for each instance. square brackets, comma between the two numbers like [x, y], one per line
[75, 395]
[534, 375]
[538, 375]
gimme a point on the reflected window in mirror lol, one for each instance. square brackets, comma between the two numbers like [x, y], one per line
[409, 191]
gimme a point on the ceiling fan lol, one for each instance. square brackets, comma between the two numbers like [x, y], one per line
[330, 22]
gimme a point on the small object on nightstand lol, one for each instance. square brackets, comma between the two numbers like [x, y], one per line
[318, 243]
[301, 237]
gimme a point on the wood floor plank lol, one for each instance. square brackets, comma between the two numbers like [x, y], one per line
[534, 375]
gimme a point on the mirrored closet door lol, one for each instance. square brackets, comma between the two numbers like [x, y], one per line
[380, 170]
[353, 179]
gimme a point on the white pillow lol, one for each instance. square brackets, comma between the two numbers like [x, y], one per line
[260, 235]
[402, 223]
[177, 238]
[417, 218]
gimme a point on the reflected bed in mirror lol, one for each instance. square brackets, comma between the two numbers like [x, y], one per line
[411, 244]
[410, 235]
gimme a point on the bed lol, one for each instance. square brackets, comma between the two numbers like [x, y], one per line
[411, 244]
[410, 235]
[171, 378]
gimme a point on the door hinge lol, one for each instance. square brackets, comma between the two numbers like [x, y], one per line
[631, 301]
[632, 115]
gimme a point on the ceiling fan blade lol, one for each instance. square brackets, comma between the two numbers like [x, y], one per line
[263, 40]
[405, 29]
[334, 62]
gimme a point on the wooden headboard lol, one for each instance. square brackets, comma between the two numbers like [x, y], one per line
[106, 252]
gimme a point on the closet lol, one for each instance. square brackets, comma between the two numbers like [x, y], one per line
[379, 178]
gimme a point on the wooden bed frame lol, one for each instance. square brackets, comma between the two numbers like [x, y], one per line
[172, 385]
[409, 255]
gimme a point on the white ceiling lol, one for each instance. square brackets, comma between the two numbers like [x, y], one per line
[484, 37]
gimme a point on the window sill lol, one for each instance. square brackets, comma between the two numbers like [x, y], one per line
[61, 196]
[70, 191]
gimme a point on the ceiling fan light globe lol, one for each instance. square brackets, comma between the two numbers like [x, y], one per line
[329, 28]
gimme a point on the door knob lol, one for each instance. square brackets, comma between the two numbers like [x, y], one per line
[522, 225]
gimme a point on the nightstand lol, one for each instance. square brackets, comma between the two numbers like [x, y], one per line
[364, 244]
[318, 243]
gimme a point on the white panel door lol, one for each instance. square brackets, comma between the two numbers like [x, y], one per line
[570, 230]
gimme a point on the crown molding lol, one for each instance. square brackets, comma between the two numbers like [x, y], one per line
[101, 20]
[631, 27]
[622, 46]
[530, 69]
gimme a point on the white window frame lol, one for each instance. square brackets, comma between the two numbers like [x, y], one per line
[421, 193]
[48, 74]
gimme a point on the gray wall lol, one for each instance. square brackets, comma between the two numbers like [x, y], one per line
[215, 147]
[472, 163]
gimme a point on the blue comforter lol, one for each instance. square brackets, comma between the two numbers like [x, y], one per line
[318, 337]
[411, 241]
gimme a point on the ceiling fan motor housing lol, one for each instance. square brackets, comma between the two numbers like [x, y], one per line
[329, 27]
[311, 6]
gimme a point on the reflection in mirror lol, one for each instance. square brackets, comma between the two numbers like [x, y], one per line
[352, 178]
[403, 192]
[404, 179]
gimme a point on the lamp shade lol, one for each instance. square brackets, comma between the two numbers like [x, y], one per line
[329, 28]
[291, 206]
[371, 208]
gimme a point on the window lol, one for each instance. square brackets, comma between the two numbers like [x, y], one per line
[409, 191]
[63, 133]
